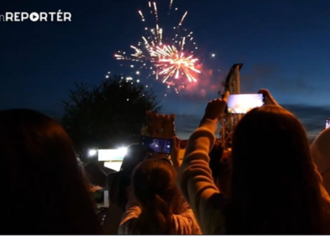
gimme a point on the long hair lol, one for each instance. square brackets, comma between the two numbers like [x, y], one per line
[275, 189]
[320, 151]
[119, 182]
[321, 156]
[155, 189]
[43, 190]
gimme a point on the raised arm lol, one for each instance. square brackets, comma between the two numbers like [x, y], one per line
[195, 177]
[175, 152]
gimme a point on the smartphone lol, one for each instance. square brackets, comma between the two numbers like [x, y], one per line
[243, 103]
[158, 145]
[327, 123]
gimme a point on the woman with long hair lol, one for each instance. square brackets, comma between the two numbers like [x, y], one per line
[275, 187]
[118, 184]
[43, 189]
[156, 205]
[321, 156]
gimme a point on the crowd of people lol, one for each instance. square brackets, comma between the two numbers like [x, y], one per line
[271, 182]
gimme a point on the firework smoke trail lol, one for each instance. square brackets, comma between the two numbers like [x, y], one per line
[172, 61]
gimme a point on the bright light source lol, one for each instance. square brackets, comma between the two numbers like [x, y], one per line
[213, 55]
[92, 152]
[122, 151]
[111, 154]
[113, 165]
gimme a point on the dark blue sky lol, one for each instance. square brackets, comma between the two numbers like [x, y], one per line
[284, 45]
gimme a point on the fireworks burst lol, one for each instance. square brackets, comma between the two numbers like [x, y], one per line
[169, 58]
[172, 63]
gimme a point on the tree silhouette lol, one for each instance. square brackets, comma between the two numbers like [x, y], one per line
[107, 115]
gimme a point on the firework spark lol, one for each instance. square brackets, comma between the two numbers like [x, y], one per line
[173, 63]
[168, 58]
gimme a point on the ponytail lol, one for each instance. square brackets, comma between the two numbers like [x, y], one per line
[156, 218]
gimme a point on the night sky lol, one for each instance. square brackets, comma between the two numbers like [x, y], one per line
[284, 45]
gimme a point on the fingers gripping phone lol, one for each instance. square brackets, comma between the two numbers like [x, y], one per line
[327, 123]
[243, 103]
[158, 145]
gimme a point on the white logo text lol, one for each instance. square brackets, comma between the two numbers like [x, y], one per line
[58, 16]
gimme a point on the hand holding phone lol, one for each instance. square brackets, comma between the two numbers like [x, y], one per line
[216, 108]
[268, 98]
[175, 151]
[327, 123]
